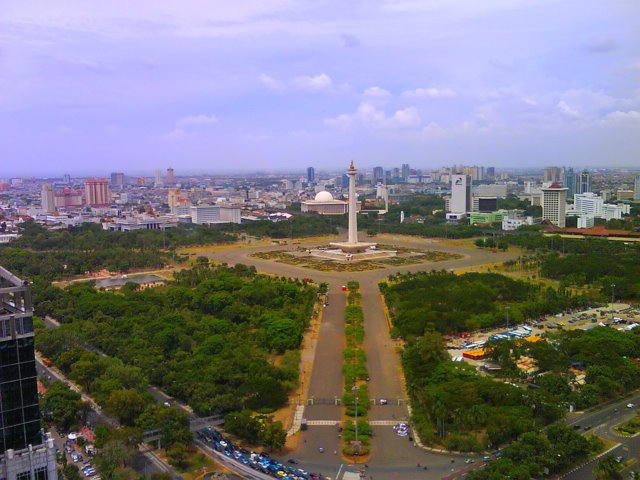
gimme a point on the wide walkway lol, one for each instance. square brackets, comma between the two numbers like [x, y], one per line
[392, 456]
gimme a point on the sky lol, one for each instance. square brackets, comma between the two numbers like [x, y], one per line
[213, 86]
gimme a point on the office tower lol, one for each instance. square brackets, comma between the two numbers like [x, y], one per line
[589, 204]
[636, 188]
[171, 179]
[26, 453]
[460, 194]
[157, 182]
[554, 205]
[66, 178]
[47, 198]
[117, 180]
[311, 175]
[406, 171]
[491, 172]
[570, 181]
[553, 175]
[378, 175]
[584, 182]
[96, 192]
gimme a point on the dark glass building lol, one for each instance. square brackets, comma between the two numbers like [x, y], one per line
[25, 451]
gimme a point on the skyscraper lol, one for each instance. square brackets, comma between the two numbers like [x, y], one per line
[311, 175]
[460, 194]
[406, 171]
[158, 179]
[171, 179]
[636, 188]
[584, 182]
[96, 192]
[570, 181]
[554, 205]
[553, 174]
[47, 198]
[378, 175]
[25, 452]
[117, 180]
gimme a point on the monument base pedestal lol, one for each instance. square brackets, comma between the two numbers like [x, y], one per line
[352, 252]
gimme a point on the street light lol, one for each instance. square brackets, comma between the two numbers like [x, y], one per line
[507, 307]
[613, 290]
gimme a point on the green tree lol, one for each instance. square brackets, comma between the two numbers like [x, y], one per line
[62, 405]
[608, 469]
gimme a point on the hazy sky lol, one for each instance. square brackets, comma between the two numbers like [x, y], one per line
[221, 85]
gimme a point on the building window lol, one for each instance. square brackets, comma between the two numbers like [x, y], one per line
[41, 473]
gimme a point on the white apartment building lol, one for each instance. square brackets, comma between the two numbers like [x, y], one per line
[554, 205]
[202, 214]
[493, 190]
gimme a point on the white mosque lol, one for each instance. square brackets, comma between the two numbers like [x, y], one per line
[325, 204]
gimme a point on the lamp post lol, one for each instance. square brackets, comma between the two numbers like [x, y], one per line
[357, 444]
[507, 307]
[613, 290]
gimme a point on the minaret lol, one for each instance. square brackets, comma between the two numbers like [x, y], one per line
[353, 217]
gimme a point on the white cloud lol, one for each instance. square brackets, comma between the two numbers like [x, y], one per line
[434, 130]
[368, 115]
[196, 121]
[409, 117]
[313, 84]
[632, 117]
[431, 92]
[566, 110]
[271, 83]
[376, 92]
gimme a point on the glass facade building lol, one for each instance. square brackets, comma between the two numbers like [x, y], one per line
[25, 451]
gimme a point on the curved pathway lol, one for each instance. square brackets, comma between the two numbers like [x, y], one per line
[392, 456]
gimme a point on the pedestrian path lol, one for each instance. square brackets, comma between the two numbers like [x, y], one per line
[373, 423]
[297, 420]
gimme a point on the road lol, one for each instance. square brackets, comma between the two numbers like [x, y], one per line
[601, 423]
[392, 456]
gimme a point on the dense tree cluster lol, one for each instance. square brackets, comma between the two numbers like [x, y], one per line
[256, 429]
[207, 339]
[537, 454]
[452, 303]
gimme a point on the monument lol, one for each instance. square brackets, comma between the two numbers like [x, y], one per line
[352, 249]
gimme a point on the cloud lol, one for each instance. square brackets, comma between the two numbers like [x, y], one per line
[194, 121]
[600, 45]
[619, 118]
[566, 110]
[271, 83]
[368, 115]
[376, 92]
[313, 84]
[350, 41]
[431, 92]
[434, 130]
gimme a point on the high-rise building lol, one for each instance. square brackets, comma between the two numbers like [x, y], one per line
[26, 453]
[570, 181]
[460, 194]
[378, 175]
[47, 198]
[171, 179]
[491, 172]
[311, 175]
[158, 179]
[553, 175]
[66, 178]
[406, 171]
[554, 205]
[173, 198]
[584, 182]
[96, 192]
[636, 188]
[117, 180]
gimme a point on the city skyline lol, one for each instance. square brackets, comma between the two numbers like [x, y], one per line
[282, 85]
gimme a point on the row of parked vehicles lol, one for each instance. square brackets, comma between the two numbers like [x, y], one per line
[260, 462]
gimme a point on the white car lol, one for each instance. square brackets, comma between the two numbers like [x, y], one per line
[383, 401]
[631, 405]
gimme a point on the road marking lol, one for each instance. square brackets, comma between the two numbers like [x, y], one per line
[385, 423]
[339, 470]
[322, 423]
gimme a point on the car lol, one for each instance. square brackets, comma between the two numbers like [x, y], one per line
[293, 461]
[166, 404]
[469, 460]
[321, 449]
[486, 458]
[631, 405]
[587, 427]
[383, 401]
[619, 459]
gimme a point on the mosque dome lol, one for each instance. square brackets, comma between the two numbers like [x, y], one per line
[323, 196]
